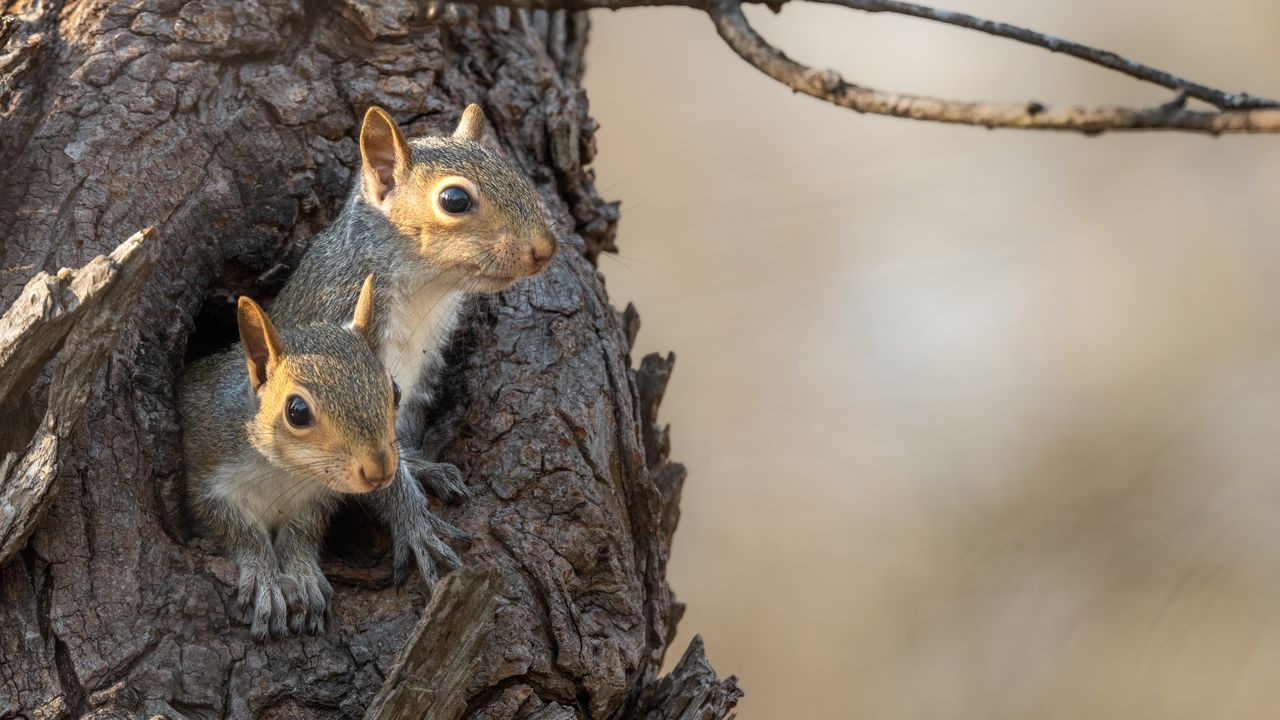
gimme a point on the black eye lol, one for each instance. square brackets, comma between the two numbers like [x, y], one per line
[297, 413]
[454, 200]
[395, 393]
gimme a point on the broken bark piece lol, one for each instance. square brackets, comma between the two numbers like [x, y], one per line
[690, 692]
[74, 315]
[434, 670]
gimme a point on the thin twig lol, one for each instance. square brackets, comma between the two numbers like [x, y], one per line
[1104, 58]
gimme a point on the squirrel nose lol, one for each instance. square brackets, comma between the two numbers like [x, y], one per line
[376, 471]
[541, 250]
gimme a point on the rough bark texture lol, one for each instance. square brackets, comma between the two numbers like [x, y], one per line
[228, 126]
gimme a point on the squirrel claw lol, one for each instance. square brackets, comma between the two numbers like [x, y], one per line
[426, 550]
[443, 480]
[262, 602]
[443, 528]
[417, 554]
[307, 596]
[416, 531]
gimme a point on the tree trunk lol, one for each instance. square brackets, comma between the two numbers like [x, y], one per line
[229, 127]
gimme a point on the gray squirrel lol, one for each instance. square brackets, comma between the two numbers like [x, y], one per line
[273, 434]
[436, 218]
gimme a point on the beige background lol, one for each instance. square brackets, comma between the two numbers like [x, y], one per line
[979, 424]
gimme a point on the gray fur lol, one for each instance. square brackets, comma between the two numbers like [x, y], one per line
[435, 267]
[281, 589]
[414, 529]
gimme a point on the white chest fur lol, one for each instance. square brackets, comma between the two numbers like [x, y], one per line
[419, 328]
[266, 493]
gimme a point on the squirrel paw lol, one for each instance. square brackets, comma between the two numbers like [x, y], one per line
[443, 480]
[307, 594]
[261, 602]
[420, 543]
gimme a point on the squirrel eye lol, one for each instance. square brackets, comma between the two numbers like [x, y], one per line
[395, 393]
[297, 413]
[454, 200]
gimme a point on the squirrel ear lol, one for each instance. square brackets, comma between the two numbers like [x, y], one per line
[384, 155]
[471, 126]
[362, 321]
[263, 349]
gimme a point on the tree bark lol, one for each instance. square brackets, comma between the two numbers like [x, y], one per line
[229, 127]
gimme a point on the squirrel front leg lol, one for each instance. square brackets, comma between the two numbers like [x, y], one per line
[415, 531]
[307, 592]
[259, 597]
[444, 480]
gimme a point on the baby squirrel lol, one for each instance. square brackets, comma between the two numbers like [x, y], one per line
[272, 435]
[436, 218]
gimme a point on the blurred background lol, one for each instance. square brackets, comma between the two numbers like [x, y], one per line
[979, 424]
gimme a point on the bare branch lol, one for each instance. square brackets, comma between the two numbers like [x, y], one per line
[1237, 112]
[828, 85]
[1103, 58]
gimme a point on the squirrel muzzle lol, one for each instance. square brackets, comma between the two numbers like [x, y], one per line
[539, 253]
[376, 470]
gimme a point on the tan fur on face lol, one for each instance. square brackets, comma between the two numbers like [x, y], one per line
[500, 239]
[349, 394]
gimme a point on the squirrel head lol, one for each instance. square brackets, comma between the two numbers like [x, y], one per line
[469, 213]
[326, 405]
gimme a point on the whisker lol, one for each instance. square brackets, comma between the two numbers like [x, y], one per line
[251, 481]
[472, 280]
[293, 491]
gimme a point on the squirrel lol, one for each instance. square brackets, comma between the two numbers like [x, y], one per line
[436, 218]
[273, 435]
